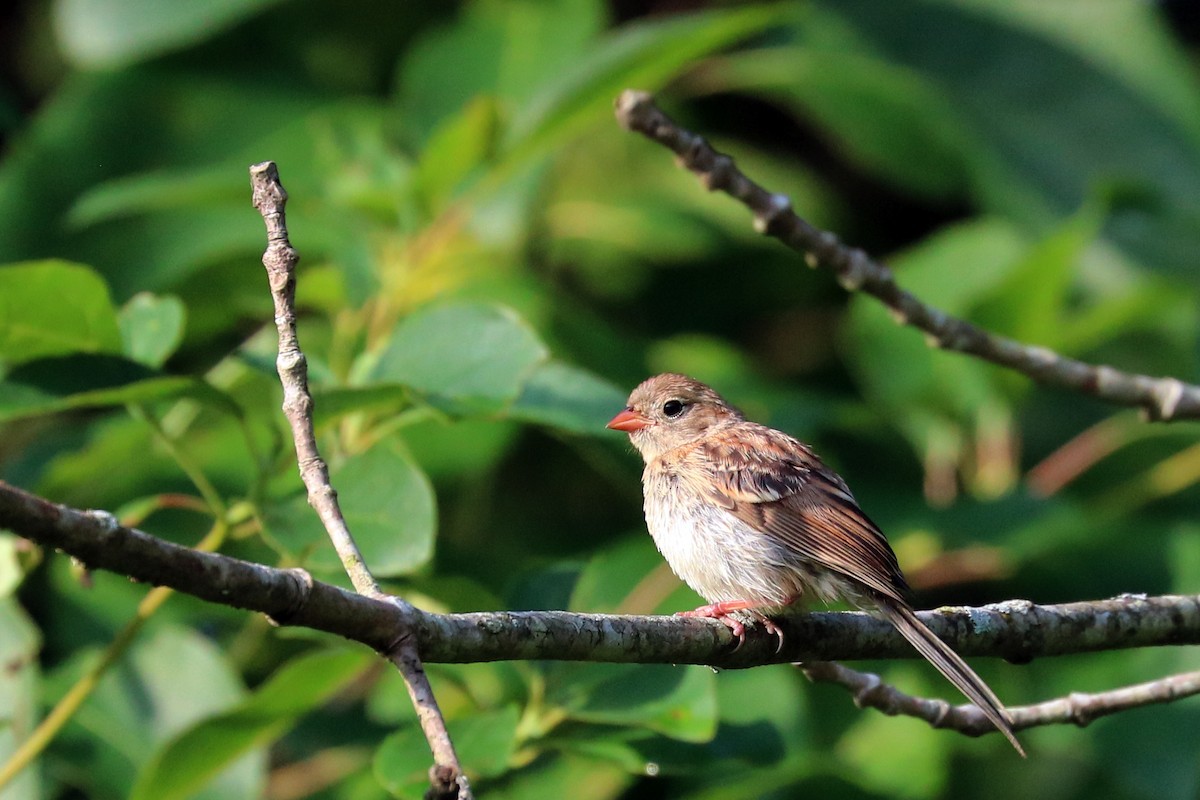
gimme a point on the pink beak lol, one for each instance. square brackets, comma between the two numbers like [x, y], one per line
[629, 421]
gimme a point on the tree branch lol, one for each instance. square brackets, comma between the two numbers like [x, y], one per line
[1077, 708]
[1018, 631]
[1159, 398]
[280, 260]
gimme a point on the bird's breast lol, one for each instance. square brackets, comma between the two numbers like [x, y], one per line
[718, 555]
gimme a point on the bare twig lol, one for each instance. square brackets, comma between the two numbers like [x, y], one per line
[280, 260]
[1077, 708]
[1160, 398]
[1017, 631]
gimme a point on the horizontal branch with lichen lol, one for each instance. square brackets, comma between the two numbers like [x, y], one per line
[1018, 631]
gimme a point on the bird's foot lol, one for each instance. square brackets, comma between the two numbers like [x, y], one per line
[722, 612]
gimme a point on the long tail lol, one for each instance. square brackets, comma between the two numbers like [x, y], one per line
[950, 664]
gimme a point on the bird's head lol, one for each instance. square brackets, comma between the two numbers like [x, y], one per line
[668, 411]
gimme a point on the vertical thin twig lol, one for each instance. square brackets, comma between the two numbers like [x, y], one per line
[280, 260]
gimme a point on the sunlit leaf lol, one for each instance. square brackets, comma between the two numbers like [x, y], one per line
[387, 502]
[679, 702]
[58, 384]
[193, 757]
[105, 33]
[464, 358]
[151, 327]
[19, 644]
[568, 397]
[51, 308]
[484, 741]
[170, 681]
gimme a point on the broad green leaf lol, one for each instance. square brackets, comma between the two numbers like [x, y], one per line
[567, 397]
[765, 716]
[151, 192]
[675, 701]
[169, 681]
[19, 645]
[644, 55]
[1047, 121]
[457, 147]
[564, 775]
[151, 327]
[387, 502]
[885, 118]
[463, 358]
[459, 686]
[630, 577]
[50, 308]
[1127, 39]
[191, 759]
[333, 402]
[459, 448]
[505, 50]
[11, 573]
[484, 740]
[50, 385]
[1030, 303]
[107, 33]
[893, 363]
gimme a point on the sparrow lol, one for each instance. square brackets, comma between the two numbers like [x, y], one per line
[753, 520]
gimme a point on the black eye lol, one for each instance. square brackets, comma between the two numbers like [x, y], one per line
[673, 408]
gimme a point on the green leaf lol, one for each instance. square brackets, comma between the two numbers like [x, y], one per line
[504, 50]
[464, 358]
[388, 503]
[168, 682]
[644, 55]
[11, 573]
[887, 119]
[458, 448]
[1030, 303]
[332, 402]
[630, 569]
[564, 775]
[54, 307]
[929, 379]
[679, 702]
[567, 397]
[190, 759]
[51, 385]
[1040, 107]
[151, 327]
[457, 147]
[20, 642]
[107, 33]
[485, 742]
[150, 192]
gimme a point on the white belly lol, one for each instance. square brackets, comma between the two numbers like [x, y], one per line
[717, 554]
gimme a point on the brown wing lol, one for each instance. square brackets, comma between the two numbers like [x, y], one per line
[778, 486]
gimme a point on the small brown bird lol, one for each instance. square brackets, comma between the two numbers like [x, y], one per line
[752, 520]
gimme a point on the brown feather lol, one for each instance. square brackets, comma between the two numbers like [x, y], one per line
[752, 519]
[802, 504]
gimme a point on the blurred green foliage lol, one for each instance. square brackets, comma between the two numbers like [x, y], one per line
[489, 264]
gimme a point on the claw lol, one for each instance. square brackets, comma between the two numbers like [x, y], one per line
[721, 612]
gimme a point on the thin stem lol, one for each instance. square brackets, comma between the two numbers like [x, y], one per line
[204, 486]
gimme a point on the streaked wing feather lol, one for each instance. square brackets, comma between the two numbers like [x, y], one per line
[802, 503]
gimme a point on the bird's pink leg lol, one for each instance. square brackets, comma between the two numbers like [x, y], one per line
[721, 611]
